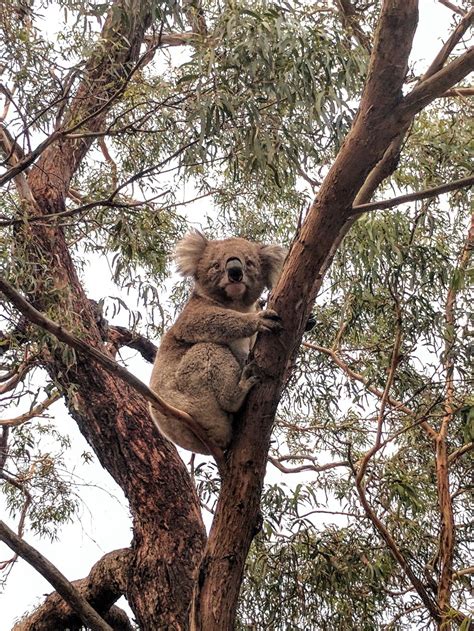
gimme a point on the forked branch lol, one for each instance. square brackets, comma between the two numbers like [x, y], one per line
[87, 614]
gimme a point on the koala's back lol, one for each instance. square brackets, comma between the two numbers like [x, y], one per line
[187, 376]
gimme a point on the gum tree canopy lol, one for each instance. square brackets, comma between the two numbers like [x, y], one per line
[302, 123]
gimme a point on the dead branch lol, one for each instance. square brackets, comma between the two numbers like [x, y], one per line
[86, 613]
[36, 411]
[107, 581]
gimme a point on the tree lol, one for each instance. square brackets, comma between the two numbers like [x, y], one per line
[102, 125]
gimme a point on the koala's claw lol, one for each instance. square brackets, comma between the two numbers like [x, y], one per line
[250, 376]
[269, 320]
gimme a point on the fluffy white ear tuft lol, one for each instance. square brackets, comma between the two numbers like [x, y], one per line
[188, 252]
[272, 257]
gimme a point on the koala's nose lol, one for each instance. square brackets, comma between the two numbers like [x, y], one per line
[235, 270]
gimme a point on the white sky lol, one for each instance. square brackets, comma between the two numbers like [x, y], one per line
[104, 522]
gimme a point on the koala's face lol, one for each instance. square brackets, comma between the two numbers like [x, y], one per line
[232, 270]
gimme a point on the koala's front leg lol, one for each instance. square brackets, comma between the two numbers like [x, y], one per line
[221, 326]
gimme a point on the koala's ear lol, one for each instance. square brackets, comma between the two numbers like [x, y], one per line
[272, 257]
[188, 252]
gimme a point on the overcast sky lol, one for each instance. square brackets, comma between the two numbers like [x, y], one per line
[103, 523]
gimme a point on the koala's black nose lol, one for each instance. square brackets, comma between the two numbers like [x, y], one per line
[235, 270]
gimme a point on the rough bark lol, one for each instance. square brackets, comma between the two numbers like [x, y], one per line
[169, 537]
[107, 581]
[168, 529]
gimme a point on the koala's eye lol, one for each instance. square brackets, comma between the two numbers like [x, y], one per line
[214, 265]
[249, 263]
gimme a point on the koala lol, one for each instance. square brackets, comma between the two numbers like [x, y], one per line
[200, 366]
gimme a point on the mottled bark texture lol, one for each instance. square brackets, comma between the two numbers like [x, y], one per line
[168, 535]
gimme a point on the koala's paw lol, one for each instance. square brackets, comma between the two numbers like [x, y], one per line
[251, 374]
[269, 320]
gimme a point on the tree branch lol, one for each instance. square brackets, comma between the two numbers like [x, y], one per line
[352, 374]
[436, 84]
[120, 336]
[36, 411]
[452, 6]
[441, 58]
[317, 468]
[107, 581]
[36, 317]
[465, 182]
[447, 530]
[86, 613]
[377, 123]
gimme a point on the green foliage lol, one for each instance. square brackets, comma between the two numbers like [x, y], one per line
[37, 476]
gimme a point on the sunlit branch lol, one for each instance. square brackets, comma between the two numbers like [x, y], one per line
[87, 614]
[36, 317]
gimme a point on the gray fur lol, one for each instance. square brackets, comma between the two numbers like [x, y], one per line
[199, 367]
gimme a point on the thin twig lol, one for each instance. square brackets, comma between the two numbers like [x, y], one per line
[352, 374]
[465, 182]
[306, 467]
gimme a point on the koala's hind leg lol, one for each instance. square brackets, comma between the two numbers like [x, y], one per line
[229, 383]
